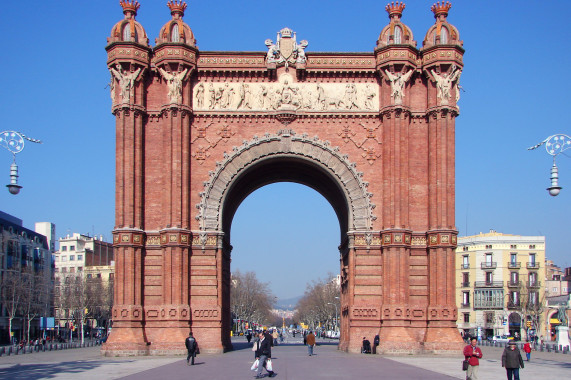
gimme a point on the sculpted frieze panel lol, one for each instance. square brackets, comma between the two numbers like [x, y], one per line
[285, 93]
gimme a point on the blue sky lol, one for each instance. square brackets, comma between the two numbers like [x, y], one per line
[515, 79]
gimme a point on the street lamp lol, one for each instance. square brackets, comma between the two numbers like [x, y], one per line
[335, 304]
[554, 145]
[14, 142]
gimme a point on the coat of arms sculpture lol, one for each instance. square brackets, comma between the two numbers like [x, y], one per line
[286, 50]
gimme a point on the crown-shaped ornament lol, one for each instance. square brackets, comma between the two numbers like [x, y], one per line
[441, 8]
[395, 9]
[130, 6]
[177, 6]
[286, 32]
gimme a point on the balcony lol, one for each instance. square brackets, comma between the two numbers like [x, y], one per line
[514, 284]
[489, 265]
[533, 265]
[513, 305]
[465, 266]
[465, 304]
[466, 284]
[514, 265]
[534, 284]
[489, 284]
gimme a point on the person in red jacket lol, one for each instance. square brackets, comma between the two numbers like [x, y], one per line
[472, 353]
[527, 349]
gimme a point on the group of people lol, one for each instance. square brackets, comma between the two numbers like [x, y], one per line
[512, 360]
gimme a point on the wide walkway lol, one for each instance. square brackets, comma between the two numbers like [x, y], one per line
[290, 362]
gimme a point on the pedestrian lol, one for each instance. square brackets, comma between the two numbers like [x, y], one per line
[376, 342]
[249, 337]
[304, 338]
[527, 349]
[472, 354]
[310, 339]
[263, 355]
[192, 348]
[512, 361]
[275, 335]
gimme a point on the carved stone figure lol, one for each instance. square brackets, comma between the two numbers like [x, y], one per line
[112, 88]
[369, 95]
[444, 83]
[211, 96]
[262, 96]
[226, 98]
[320, 103]
[458, 88]
[126, 81]
[300, 51]
[245, 96]
[398, 81]
[273, 54]
[350, 97]
[174, 82]
[200, 96]
[562, 315]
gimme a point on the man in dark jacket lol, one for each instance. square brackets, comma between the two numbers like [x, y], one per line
[512, 361]
[472, 353]
[191, 346]
[263, 353]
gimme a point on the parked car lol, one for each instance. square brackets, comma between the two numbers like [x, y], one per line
[502, 338]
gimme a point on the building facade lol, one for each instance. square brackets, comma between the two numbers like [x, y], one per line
[23, 253]
[198, 131]
[500, 284]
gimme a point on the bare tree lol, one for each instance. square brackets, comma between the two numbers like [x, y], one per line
[250, 299]
[11, 293]
[319, 304]
[32, 293]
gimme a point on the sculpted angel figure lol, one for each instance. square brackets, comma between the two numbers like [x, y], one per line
[126, 81]
[273, 52]
[398, 81]
[300, 50]
[444, 83]
[174, 82]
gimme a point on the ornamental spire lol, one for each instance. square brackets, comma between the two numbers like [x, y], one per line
[177, 7]
[441, 9]
[130, 7]
[395, 9]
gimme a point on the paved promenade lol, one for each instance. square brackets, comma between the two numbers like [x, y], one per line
[290, 362]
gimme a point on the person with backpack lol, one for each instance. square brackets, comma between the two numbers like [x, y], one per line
[191, 347]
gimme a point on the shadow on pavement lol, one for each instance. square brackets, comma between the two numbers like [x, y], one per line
[48, 370]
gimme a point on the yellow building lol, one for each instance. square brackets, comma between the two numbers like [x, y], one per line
[499, 286]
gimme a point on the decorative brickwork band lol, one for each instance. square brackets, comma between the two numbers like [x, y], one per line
[128, 313]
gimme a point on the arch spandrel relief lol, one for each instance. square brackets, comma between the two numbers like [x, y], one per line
[285, 93]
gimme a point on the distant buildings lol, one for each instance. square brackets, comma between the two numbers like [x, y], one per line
[23, 251]
[499, 284]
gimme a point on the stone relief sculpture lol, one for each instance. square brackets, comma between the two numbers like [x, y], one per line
[457, 87]
[286, 93]
[126, 81]
[398, 81]
[301, 58]
[174, 82]
[286, 50]
[112, 88]
[273, 54]
[444, 83]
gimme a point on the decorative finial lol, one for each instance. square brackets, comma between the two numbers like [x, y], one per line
[395, 9]
[177, 7]
[130, 6]
[441, 9]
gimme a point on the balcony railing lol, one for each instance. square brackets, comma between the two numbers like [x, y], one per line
[466, 284]
[514, 284]
[465, 304]
[533, 265]
[489, 265]
[489, 284]
[464, 266]
[534, 284]
[513, 305]
[514, 265]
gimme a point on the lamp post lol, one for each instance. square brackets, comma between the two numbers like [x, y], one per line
[14, 142]
[335, 304]
[554, 145]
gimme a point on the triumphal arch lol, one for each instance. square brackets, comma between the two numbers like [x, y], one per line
[198, 131]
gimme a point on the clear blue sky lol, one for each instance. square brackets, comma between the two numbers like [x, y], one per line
[516, 80]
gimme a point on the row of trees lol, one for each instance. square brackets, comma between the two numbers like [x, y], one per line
[79, 298]
[320, 304]
[26, 295]
[250, 300]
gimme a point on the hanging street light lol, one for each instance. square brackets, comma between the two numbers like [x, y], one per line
[14, 142]
[554, 145]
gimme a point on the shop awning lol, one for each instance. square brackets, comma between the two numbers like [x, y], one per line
[554, 321]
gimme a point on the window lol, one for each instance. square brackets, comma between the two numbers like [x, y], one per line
[63, 270]
[127, 32]
[513, 246]
[489, 317]
[488, 246]
[72, 270]
[513, 258]
[466, 317]
[64, 258]
[532, 259]
[514, 297]
[175, 33]
[64, 248]
[72, 247]
[56, 258]
[398, 35]
[80, 269]
[532, 279]
[465, 298]
[488, 259]
[532, 246]
[465, 279]
[465, 262]
[98, 275]
[514, 278]
[489, 299]
[79, 257]
[89, 275]
[489, 277]
[443, 35]
[533, 298]
[56, 270]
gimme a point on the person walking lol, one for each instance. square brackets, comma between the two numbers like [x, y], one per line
[512, 361]
[275, 335]
[310, 338]
[263, 354]
[473, 354]
[527, 350]
[191, 347]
